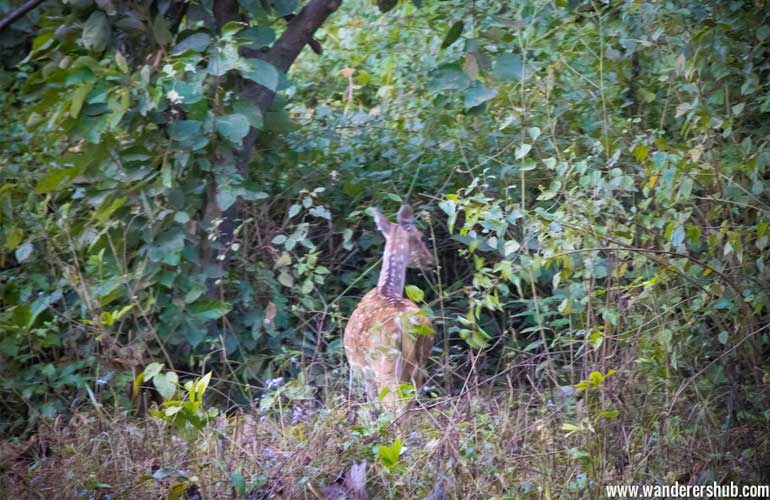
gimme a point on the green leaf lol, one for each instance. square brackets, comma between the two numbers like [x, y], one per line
[151, 370]
[522, 151]
[197, 42]
[200, 386]
[448, 77]
[596, 338]
[507, 68]
[763, 32]
[209, 309]
[24, 252]
[137, 385]
[239, 484]
[258, 36]
[188, 133]
[251, 111]
[223, 59]
[13, 237]
[120, 61]
[261, 72]
[414, 293]
[233, 127]
[181, 130]
[226, 196]
[386, 5]
[609, 414]
[78, 97]
[453, 34]
[166, 384]
[477, 95]
[285, 7]
[286, 279]
[677, 236]
[389, 455]
[161, 31]
[723, 337]
[96, 32]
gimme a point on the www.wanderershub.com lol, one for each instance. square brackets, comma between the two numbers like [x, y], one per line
[676, 490]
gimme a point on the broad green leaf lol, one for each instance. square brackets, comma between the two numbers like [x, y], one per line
[448, 77]
[258, 36]
[477, 95]
[507, 68]
[78, 97]
[22, 315]
[534, 132]
[677, 236]
[389, 455]
[96, 32]
[522, 151]
[13, 237]
[223, 58]
[261, 72]
[226, 196]
[120, 61]
[166, 384]
[151, 370]
[251, 111]
[286, 279]
[453, 34]
[24, 252]
[233, 127]
[285, 7]
[182, 130]
[197, 42]
[201, 385]
[108, 208]
[188, 133]
[209, 309]
[239, 484]
[414, 293]
[161, 31]
[386, 5]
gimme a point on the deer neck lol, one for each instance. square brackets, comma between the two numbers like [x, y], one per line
[393, 272]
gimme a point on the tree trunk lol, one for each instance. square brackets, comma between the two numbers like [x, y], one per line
[282, 54]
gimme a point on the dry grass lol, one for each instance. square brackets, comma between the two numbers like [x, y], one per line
[493, 445]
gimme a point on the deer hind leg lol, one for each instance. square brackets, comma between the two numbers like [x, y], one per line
[386, 380]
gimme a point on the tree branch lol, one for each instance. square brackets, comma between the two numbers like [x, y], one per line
[300, 32]
[14, 16]
[287, 48]
[282, 54]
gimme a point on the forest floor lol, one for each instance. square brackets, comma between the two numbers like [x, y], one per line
[500, 444]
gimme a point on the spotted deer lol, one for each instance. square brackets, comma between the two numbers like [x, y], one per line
[388, 338]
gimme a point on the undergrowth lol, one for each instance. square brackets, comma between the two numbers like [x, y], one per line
[483, 443]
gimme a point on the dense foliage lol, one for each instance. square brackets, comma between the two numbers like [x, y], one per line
[594, 178]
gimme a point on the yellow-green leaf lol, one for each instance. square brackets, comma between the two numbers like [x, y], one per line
[414, 293]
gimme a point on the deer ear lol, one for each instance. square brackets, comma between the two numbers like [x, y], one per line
[406, 216]
[382, 222]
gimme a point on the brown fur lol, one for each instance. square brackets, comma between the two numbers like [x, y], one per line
[380, 343]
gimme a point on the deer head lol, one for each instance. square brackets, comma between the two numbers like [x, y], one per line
[404, 247]
[404, 237]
